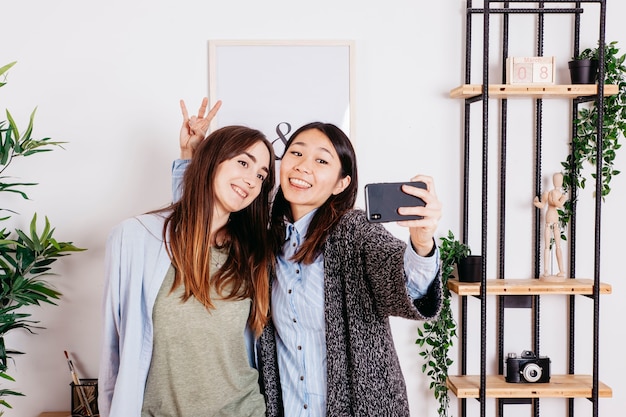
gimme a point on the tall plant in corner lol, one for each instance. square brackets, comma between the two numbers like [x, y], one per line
[436, 337]
[584, 143]
[25, 256]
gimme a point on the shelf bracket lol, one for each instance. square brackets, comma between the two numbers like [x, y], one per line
[518, 301]
[515, 400]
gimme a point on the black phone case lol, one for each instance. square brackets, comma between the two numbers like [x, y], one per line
[383, 199]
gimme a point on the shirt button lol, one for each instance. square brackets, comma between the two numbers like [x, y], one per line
[294, 320]
[301, 378]
[305, 406]
[289, 291]
[299, 347]
[294, 245]
[297, 271]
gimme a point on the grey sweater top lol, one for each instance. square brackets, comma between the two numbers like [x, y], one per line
[364, 285]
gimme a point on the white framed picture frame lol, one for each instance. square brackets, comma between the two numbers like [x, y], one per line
[278, 86]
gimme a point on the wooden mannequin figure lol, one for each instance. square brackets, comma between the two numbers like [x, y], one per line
[554, 199]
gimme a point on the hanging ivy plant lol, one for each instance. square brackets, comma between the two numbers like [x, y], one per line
[584, 143]
[436, 337]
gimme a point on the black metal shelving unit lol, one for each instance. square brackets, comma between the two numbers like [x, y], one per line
[592, 288]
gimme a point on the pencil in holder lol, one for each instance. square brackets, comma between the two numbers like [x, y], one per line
[85, 398]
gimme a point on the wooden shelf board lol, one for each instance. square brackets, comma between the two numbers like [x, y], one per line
[530, 286]
[55, 414]
[537, 91]
[561, 386]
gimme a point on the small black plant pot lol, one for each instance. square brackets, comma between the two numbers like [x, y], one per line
[470, 269]
[583, 71]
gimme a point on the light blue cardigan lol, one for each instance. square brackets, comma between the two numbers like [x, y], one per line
[136, 263]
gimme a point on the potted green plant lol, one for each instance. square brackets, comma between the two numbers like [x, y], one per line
[470, 268]
[584, 142]
[25, 256]
[436, 337]
[583, 68]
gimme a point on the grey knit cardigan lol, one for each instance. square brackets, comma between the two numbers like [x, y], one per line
[364, 284]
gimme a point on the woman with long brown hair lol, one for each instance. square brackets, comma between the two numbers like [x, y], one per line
[187, 289]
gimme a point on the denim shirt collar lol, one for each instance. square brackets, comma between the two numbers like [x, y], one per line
[301, 226]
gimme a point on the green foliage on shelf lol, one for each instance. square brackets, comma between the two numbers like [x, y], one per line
[584, 143]
[436, 337]
[25, 256]
[586, 54]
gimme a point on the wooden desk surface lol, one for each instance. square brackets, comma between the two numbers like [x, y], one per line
[55, 414]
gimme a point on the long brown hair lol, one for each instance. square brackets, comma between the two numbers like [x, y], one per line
[329, 213]
[246, 270]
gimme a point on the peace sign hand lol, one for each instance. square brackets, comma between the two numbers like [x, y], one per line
[194, 128]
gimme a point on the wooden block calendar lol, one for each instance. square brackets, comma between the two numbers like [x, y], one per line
[530, 70]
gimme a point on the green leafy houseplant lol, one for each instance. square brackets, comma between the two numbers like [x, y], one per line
[583, 68]
[436, 337]
[587, 54]
[25, 256]
[584, 142]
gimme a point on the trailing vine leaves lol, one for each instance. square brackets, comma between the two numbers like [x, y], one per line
[25, 256]
[584, 143]
[436, 337]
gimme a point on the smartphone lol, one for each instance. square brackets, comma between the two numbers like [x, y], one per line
[383, 199]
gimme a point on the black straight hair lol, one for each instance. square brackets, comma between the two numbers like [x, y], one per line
[329, 213]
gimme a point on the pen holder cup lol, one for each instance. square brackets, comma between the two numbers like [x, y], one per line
[85, 398]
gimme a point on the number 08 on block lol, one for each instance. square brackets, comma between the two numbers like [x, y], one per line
[530, 70]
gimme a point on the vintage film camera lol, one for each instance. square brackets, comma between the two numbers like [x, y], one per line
[527, 368]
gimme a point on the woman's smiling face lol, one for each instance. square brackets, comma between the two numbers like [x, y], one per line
[238, 181]
[310, 172]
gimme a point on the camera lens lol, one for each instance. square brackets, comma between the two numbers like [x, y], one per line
[531, 372]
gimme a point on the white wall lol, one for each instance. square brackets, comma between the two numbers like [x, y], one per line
[107, 77]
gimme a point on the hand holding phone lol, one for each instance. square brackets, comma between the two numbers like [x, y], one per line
[382, 201]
